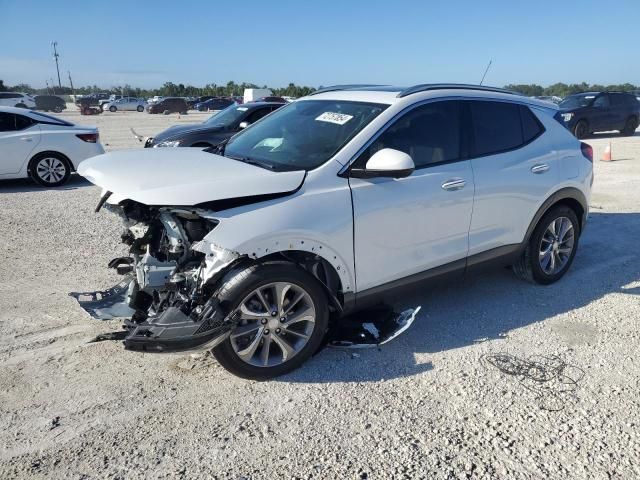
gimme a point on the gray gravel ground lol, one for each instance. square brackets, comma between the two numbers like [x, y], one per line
[424, 406]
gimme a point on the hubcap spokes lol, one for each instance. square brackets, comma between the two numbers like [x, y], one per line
[556, 245]
[51, 170]
[276, 322]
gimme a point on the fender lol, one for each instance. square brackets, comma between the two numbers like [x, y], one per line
[571, 193]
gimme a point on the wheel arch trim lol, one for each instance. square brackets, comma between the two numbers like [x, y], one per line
[568, 195]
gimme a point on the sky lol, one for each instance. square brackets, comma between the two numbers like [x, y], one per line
[401, 42]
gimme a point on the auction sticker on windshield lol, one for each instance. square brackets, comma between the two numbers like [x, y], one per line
[332, 117]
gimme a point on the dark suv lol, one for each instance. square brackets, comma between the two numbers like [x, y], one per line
[585, 113]
[217, 128]
[169, 105]
[50, 103]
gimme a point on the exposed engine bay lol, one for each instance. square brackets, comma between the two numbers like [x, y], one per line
[168, 290]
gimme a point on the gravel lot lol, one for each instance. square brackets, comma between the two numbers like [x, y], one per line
[423, 406]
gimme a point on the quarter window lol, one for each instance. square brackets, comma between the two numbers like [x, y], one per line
[531, 127]
[429, 134]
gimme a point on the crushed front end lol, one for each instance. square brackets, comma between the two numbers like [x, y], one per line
[167, 298]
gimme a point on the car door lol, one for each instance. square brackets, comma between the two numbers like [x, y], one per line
[515, 169]
[19, 135]
[601, 117]
[409, 225]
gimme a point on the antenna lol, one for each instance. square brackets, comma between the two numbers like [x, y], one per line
[485, 72]
[55, 56]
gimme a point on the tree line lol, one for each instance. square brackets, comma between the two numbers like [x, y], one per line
[170, 89]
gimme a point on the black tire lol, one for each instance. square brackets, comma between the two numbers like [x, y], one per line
[528, 267]
[166, 112]
[241, 284]
[201, 145]
[21, 105]
[42, 180]
[140, 108]
[581, 129]
[57, 109]
[630, 126]
[113, 109]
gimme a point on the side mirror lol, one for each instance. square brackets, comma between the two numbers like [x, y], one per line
[243, 125]
[387, 162]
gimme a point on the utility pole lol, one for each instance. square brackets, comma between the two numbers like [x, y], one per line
[71, 82]
[55, 56]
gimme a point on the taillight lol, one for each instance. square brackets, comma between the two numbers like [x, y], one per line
[88, 137]
[587, 151]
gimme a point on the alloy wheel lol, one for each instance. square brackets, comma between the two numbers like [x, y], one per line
[276, 322]
[51, 169]
[556, 245]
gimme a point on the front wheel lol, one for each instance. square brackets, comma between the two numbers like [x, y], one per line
[49, 169]
[283, 319]
[581, 130]
[552, 247]
[112, 109]
[140, 108]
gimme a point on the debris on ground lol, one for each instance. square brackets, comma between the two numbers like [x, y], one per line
[552, 380]
[372, 327]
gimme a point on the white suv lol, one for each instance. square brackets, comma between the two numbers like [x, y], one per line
[329, 204]
[15, 99]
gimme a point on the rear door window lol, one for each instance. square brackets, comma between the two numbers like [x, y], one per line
[258, 114]
[496, 127]
[7, 122]
[602, 101]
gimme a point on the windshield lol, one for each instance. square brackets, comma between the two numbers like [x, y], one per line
[227, 117]
[302, 135]
[577, 101]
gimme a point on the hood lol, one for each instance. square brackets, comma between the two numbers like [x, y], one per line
[182, 177]
[180, 130]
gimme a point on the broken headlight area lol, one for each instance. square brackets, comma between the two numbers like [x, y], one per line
[167, 296]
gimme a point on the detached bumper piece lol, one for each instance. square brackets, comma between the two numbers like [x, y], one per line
[174, 331]
[371, 328]
[107, 304]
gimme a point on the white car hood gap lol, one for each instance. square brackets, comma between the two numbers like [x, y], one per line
[182, 177]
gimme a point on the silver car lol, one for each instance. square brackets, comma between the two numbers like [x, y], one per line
[126, 103]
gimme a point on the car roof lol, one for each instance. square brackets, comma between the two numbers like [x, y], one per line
[389, 95]
[261, 104]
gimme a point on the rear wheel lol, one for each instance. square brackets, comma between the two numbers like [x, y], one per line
[112, 109]
[21, 105]
[551, 248]
[630, 126]
[49, 169]
[283, 319]
[581, 129]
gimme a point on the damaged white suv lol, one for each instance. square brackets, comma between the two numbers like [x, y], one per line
[256, 248]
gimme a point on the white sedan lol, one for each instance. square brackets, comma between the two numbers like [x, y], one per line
[126, 103]
[44, 148]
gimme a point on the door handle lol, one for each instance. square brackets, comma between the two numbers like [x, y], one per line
[540, 168]
[26, 139]
[454, 184]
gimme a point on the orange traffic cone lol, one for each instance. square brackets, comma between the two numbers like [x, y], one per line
[606, 156]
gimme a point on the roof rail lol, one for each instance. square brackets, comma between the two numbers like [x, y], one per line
[335, 88]
[451, 86]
